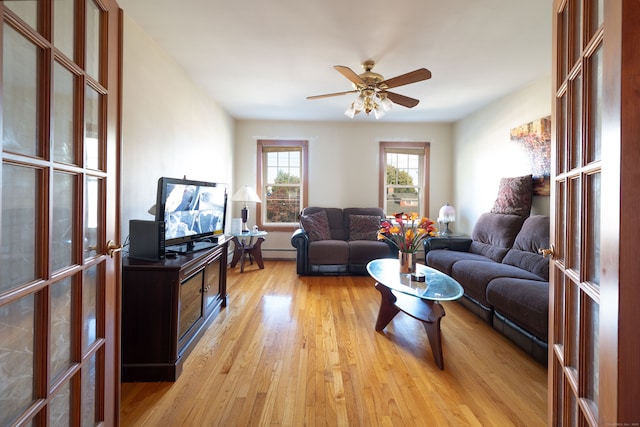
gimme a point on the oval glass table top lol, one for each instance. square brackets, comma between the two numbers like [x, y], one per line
[437, 286]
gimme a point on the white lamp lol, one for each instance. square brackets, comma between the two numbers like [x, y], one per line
[446, 215]
[245, 194]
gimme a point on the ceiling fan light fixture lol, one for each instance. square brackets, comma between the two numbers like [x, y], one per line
[385, 102]
[351, 111]
[379, 112]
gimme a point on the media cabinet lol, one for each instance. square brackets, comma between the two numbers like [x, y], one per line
[166, 307]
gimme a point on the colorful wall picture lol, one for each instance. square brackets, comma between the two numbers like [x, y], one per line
[535, 140]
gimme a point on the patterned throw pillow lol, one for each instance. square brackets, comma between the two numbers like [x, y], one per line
[514, 196]
[364, 227]
[316, 225]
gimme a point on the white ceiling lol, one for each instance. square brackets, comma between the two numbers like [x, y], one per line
[260, 59]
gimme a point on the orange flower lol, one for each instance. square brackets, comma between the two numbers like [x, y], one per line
[408, 232]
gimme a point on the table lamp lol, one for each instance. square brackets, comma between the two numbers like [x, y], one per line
[446, 215]
[245, 194]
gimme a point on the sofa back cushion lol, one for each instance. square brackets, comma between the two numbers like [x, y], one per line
[533, 236]
[494, 234]
[334, 218]
[316, 225]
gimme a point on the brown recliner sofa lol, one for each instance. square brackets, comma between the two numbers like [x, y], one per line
[505, 278]
[339, 241]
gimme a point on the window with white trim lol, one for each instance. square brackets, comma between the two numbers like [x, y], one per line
[282, 182]
[404, 172]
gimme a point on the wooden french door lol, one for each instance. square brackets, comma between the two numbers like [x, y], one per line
[59, 276]
[594, 323]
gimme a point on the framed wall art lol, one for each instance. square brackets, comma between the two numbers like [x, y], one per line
[534, 139]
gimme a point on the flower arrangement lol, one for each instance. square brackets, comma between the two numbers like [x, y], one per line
[409, 232]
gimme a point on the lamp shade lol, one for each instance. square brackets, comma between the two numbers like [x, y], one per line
[447, 214]
[246, 194]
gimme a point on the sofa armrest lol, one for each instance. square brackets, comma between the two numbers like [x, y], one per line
[300, 241]
[460, 244]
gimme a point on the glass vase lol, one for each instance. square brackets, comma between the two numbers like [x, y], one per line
[407, 262]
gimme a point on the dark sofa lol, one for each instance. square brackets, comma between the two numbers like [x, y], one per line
[339, 241]
[505, 279]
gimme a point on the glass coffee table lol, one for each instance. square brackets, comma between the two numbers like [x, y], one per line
[419, 300]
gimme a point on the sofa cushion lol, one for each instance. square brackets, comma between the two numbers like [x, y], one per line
[524, 302]
[328, 252]
[363, 251]
[494, 234]
[533, 236]
[363, 227]
[316, 225]
[475, 275]
[514, 196]
[443, 260]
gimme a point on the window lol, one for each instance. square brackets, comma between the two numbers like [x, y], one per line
[282, 183]
[404, 172]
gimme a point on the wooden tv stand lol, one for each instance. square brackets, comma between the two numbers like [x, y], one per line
[166, 307]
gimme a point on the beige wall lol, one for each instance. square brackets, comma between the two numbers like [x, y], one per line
[168, 127]
[343, 163]
[484, 154]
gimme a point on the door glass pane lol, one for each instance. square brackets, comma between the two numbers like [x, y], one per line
[64, 26]
[576, 29]
[93, 40]
[561, 134]
[575, 224]
[561, 193]
[89, 307]
[595, 106]
[18, 236]
[60, 331]
[89, 393]
[591, 349]
[573, 325]
[563, 48]
[592, 248]
[559, 293]
[92, 129]
[27, 10]
[62, 230]
[596, 14]
[63, 126]
[60, 407]
[16, 358]
[19, 94]
[92, 220]
[575, 140]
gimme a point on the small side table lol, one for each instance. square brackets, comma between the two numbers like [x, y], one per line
[243, 248]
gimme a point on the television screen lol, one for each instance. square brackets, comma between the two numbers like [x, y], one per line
[192, 210]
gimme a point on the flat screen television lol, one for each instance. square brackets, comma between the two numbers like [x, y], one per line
[194, 213]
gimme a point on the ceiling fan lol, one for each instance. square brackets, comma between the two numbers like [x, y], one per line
[372, 90]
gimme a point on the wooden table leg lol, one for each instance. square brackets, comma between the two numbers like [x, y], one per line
[238, 249]
[256, 252]
[428, 312]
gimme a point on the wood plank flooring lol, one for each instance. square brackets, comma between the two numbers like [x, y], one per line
[296, 351]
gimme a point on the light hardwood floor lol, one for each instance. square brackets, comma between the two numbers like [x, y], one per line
[297, 351]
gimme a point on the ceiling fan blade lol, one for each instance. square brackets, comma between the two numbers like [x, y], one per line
[405, 79]
[331, 94]
[350, 74]
[405, 101]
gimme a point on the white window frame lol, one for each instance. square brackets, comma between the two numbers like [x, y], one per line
[422, 149]
[264, 147]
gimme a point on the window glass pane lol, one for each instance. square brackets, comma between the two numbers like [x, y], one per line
[63, 103]
[27, 10]
[404, 181]
[92, 129]
[595, 106]
[60, 407]
[593, 230]
[283, 172]
[62, 237]
[19, 94]
[89, 307]
[16, 358]
[93, 40]
[60, 333]
[92, 220]
[18, 233]
[63, 26]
